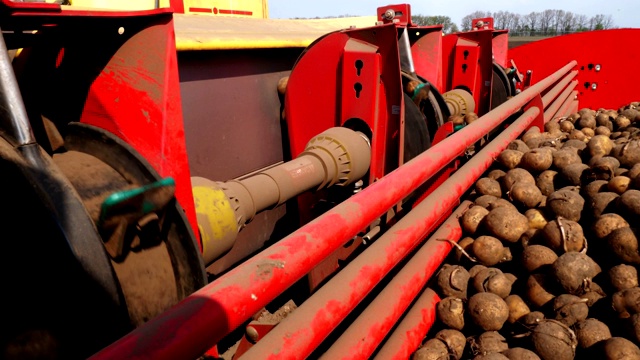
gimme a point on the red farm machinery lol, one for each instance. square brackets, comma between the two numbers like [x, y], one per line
[184, 198]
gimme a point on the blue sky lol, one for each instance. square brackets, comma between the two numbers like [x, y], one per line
[624, 12]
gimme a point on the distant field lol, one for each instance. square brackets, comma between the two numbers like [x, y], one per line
[521, 40]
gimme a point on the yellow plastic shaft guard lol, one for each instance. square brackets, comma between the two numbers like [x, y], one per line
[216, 221]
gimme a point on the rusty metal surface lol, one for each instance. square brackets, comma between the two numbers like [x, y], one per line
[366, 333]
[202, 319]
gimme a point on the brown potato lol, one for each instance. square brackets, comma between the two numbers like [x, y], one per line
[485, 200]
[619, 184]
[519, 353]
[536, 218]
[506, 224]
[566, 126]
[574, 174]
[450, 311]
[471, 219]
[455, 341]
[553, 340]
[591, 331]
[602, 130]
[453, 280]
[546, 182]
[552, 126]
[510, 158]
[488, 311]
[489, 251]
[564, 157]
[577, 135]
[537, 160]
[433, 349]
[538, 290]
[572, 269]
[475, 270]
[525, 195]
[594, 187]
[624, 244]
[588, 133]
[600, 145]
[628, 154]
[621, 122]
[567, 203]
[494, 281]
[518, 145]
[563, 235]
[489, 342]
[604, 168]
[617, 348]
[623, 277]
[496, 174]
[629, 205]
[517, 308]
[570, 309]
[606, 223]
[601, 203]
[532, 319]
[576, 145]
[516, 175]
[535, 257]
[488, 186]
[587, 122]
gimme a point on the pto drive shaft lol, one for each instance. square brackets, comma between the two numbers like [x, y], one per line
[338, 156]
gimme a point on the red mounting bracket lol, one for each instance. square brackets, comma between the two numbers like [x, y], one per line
[539, 120]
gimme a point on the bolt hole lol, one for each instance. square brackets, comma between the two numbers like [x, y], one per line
[359, 65]
[590, 66]
[466, 54]
[464, 68]
[587, 84]
[358, 88]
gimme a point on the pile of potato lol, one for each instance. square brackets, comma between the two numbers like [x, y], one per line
[547, 267]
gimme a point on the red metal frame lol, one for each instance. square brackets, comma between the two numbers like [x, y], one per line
[205, 317]
[616, 79]
[131, 91]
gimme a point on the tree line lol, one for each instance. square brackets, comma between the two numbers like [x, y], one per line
[544, 23]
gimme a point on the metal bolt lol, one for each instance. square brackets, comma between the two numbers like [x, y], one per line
[528, 72]
[597, 67]
[120, 30]
[480, 24]
[594, 86]
[252, 334]
[389, 14]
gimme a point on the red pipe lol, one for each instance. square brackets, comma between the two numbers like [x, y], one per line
[392, 302]
[553, 93]
[303, 330]
[555, 106]
[408, 335]
[202, 319]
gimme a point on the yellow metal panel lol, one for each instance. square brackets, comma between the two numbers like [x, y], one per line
[195, 32]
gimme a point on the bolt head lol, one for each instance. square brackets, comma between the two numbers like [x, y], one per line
[598, 67]
[389, 14]
[594, 86]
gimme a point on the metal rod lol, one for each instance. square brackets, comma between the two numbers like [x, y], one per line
[303, 330]
[202, 319]
[360, 338]
[13, 115]
[557, 103]
[567, 104]
[413, 328]
[554, 91]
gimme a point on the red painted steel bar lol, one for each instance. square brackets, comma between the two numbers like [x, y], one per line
[557, 104]
[303, 330]
[199, 321]
[564, 109]
[409, 334]
[554, 91]
[392, 302]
